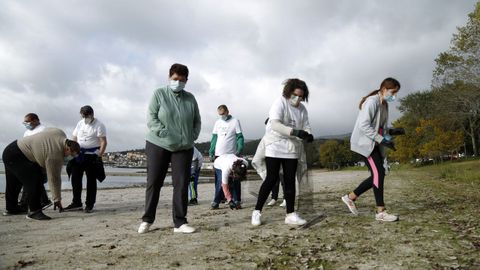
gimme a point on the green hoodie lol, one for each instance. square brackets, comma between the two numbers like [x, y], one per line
[173, 119]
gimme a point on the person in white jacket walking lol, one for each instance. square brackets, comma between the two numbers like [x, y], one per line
[370, 138]
[288, 125]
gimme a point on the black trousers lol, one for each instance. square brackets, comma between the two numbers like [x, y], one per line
[158, 160]
[276, 188]
[44, 200]
[19, 171]
[289, 167]
[375, 166]
[86, 166]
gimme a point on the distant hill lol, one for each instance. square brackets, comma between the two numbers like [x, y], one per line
[251, 145]
[249, 148]
[336, 137]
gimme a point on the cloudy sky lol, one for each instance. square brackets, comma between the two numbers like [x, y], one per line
[57, 56]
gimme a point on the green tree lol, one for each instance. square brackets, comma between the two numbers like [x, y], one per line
[462, 61]
[329, 154]
[459, 105]
[457, 77]
[407, 145]
[437, 141]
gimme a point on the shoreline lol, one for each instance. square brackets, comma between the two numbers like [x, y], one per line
[428, 235]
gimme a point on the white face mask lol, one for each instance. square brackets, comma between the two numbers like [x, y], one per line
[390, 97]
[88, 120]
[177, 86]
[295, 100]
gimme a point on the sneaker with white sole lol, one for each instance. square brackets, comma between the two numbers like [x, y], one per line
[272, 202]
[283, 204]
[144, 227]
[294, 219]
[256, 215]
[38, 215]
[384, 216]
[350, 204]
[73, 207]
[185, 228]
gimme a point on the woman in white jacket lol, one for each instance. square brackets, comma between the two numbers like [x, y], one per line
[287, 127]
[370, 137]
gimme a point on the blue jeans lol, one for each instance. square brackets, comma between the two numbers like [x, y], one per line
[235, 188]
[219, 196]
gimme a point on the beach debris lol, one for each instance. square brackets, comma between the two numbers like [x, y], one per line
[313, 221]
[175, 264]
[23, 263]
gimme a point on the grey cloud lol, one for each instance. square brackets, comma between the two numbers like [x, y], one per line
[113, 54]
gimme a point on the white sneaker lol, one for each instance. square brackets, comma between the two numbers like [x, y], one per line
[256, 215]
[283, 204]
[294, 219]
[272, 202]
[350, 204]
[185, 228]
[384, 216]
[144, 227]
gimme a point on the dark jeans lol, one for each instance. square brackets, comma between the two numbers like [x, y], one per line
[158, 160]
[219, 196]
[86, 166]
[234, 186]
[375, 166]
[21, 171]
[289, 167]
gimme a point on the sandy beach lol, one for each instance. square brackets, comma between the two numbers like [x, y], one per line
[108, 238]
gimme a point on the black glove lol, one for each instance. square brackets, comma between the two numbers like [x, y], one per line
[59, 205]
[309, 138]
[388, 144]
[232, 205]
[396, 131]
[302, 134]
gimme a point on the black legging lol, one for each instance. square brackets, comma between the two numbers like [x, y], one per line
[375, 166]
[289, 167]
[276, 188]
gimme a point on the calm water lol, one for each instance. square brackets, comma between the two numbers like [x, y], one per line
[110, 181]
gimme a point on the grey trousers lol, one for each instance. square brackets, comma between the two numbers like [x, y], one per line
[158, 160]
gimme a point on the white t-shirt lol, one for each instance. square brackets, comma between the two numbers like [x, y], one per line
[36, 130]
[226, 136]
[88, 135]
[225, 163]
[290, 116]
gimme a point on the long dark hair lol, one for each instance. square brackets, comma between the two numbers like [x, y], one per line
[239, 170]
[388, 83]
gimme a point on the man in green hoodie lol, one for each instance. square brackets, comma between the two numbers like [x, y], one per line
[173, 121]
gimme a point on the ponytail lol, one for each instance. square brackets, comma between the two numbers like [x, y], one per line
[388, 83]
[374, 92]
